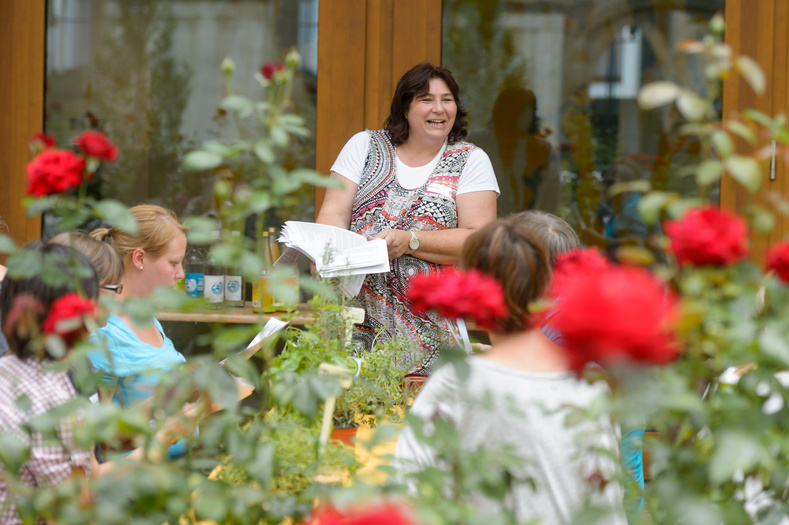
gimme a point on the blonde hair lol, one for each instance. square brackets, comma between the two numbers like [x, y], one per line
[103, 257]
[156, 227]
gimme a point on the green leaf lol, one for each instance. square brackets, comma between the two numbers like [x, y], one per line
[201, 160]
[745, 170]
[241, 106]
[308, 176]
[762, 219]
[13, 452]
[775, 346]
[693, 107]
[650, 205]
[278, 136]
[741, 130]
[117, 214]
[752, 73]
[722, 143]
[657, 94]
[289, 119]
[73, 219]
[218, 148]
[7, 244]
[264, 151]
[35, 205]
[734, 451]
[758, 117]
[708, 172]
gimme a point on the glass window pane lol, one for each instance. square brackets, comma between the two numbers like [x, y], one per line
[147, 73]
[551, 90]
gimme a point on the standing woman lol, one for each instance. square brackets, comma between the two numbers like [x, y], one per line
[151, 259]
[420, 187]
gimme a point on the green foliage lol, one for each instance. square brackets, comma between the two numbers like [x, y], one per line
[295, 458]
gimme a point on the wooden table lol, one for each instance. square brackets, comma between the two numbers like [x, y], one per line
[238, 315]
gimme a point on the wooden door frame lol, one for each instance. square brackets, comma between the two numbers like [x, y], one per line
[22, 70]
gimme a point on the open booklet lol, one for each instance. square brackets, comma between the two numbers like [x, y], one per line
[272, 327]
[336, 252]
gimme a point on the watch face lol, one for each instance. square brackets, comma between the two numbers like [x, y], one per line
[413, 243]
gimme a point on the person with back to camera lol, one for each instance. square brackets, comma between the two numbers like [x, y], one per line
[419, 186]
[558, 237]
[28, 372]
[527, 386]
[103, 257]
[151, 259]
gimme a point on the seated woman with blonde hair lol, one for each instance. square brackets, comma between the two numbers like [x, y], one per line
[131, 351]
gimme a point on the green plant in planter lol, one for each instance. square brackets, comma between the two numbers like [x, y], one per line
[293, 441]
[378, 390]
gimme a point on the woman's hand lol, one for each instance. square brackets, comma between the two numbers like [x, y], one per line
[396, 242]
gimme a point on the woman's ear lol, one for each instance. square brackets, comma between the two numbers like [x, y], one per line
[138, 258]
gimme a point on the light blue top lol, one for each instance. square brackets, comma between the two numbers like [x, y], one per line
[132, 364]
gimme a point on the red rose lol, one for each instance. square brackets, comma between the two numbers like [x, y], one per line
[454, 294]
[619, 313]
[269, 69]
[387, 514]
[96, 144]
[708, 236]
[778, 260]
[42, 141]
[66, 317]
[576, 263]
[54, 171]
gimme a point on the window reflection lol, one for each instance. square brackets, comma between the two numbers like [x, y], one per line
[147, 73]
[551, 90]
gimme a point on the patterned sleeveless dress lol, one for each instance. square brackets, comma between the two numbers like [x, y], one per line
[382, 204]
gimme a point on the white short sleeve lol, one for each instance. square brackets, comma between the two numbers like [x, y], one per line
[478, 174]
[350, 161]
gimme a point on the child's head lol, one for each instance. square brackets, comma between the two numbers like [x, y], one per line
[513, 254]
[103, 257]
[62, 268]
[557, 236]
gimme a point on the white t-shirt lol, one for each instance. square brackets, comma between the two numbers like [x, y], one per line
[478, 172]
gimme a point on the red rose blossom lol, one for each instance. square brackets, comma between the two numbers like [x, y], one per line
[708, 236]
[387, 514]
[42, 141]
[576, 263]
[455, 294]
[269, 69]
[96, 144]
[621, 312]
[54, 171]
[66, 317]
[778, 260]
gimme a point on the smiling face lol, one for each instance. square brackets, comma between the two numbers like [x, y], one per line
[166, 269]
[431, 115]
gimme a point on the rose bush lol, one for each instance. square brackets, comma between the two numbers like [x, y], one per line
[614, 313]
[96, 144]
[54, 171]
[708, 236]
[778, 260]
[457, 294]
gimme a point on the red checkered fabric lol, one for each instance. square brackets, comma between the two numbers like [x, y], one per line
[29, 388]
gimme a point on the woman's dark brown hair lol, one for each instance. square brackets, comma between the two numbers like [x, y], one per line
[58, 262]
[514, 255]
[415, 82]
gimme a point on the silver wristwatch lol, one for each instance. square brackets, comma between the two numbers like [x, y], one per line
[413, 243]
